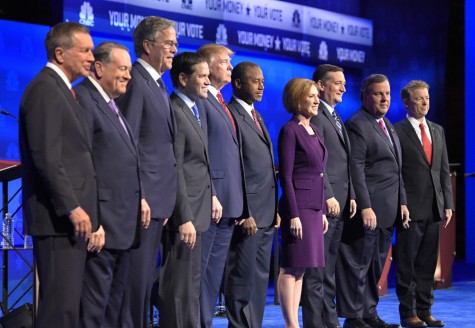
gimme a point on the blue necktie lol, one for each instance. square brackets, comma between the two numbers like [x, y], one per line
[197, 114]
[337, 122]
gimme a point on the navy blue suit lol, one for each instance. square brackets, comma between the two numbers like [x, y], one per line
[319, 289]
[147, 109]
[117, 169]
[226, 174]
[247, 266]
[376, 173]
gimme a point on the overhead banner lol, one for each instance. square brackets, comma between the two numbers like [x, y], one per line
[273, 27]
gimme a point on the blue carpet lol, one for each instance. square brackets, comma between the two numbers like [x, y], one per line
[455, 305]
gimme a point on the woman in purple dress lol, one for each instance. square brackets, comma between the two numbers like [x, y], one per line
[302, 160]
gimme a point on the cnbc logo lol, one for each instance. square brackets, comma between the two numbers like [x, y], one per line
[86, 16]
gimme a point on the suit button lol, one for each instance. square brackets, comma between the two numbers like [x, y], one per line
[209, 187]
[321, 175]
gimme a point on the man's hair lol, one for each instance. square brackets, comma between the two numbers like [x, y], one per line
[295, 92]
[240, 70]
[147, 30]
[62, 35]
[414, 84]
[210, 50]
[184, 63]
[321, 72]
[370, 80]
[103, 52]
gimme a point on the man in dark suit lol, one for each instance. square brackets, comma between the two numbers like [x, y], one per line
[319, 289]
[227, 177]
[59, 184]
[146, 107]
[426, 175]
[247, 266]
[376, 175]
[116, 162]
[181, 261]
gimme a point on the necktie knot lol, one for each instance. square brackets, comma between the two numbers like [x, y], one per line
[254, 117]
[337, 122]
[162, 85]
[226, 109]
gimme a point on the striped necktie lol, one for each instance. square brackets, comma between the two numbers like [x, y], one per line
[337, 122]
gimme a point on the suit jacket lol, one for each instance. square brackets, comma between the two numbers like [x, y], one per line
[421, 180]
[301, 169]
[225, 156]
[193, 200]
[57, 167]
[376, 167]
[117, 169]
[153, 125]
[260, 184]
[338, 182]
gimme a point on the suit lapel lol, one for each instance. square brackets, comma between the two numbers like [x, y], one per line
[217, 106]
[411, 134]
[330, 118]
[248, 119]
[190, 116]
[435, 141]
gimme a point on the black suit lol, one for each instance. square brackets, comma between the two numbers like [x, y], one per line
[429, 193]
[181, 270]
[147, 109]
[319, 289]
[58, 176]
[376, 176]
[247, 266]
[117, 169]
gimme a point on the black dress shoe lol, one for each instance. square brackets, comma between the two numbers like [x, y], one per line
[432, 322]
[413, 322]
[355, 323]
[377, 322]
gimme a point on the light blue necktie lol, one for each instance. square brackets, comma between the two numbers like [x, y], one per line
[197, 114]
[337, 122]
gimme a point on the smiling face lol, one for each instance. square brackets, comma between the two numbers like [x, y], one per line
[309, 105]
[76, 61]
[332, 90]
[195, 86]
[378, 98]
[161, 50]
[417, 105]
[114, 76]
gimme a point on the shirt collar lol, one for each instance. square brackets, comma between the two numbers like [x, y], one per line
[100, 89]
[152, 71]
[190, 103]
[330, 108]
[245, 105]
[415, 123]
[213, 91]
[61, 74]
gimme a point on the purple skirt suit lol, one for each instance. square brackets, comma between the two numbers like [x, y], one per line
[302, 160]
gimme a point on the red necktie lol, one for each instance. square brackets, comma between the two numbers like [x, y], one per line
[226, 109]
[254, 116]
[426, 143]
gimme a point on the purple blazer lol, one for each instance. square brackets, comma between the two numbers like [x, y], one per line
[302, 160]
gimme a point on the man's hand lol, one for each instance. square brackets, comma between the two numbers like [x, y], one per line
[369, 218]
[448, 216]
[96, 240]
[325, 224]
[248, 225]
[188, 234]
[278, 220]
[216, 209]
[146, 214]
[333, 207]
[352, 208]
[81, 222]
[296, 227]
[405, 217]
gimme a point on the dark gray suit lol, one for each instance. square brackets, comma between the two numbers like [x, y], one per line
[181, 269]
[319, 289]
[376, 176]
[247, 266]
[429, 193]
[117, 169]
[147, 109]
[58, 176]
[226, 174]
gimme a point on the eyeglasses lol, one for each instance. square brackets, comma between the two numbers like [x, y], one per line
[167, 44]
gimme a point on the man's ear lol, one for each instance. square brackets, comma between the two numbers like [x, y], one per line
[183, 79]
[320, 85]
[58, 55]
[146, 46]
[237, 83]
[99, 69]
